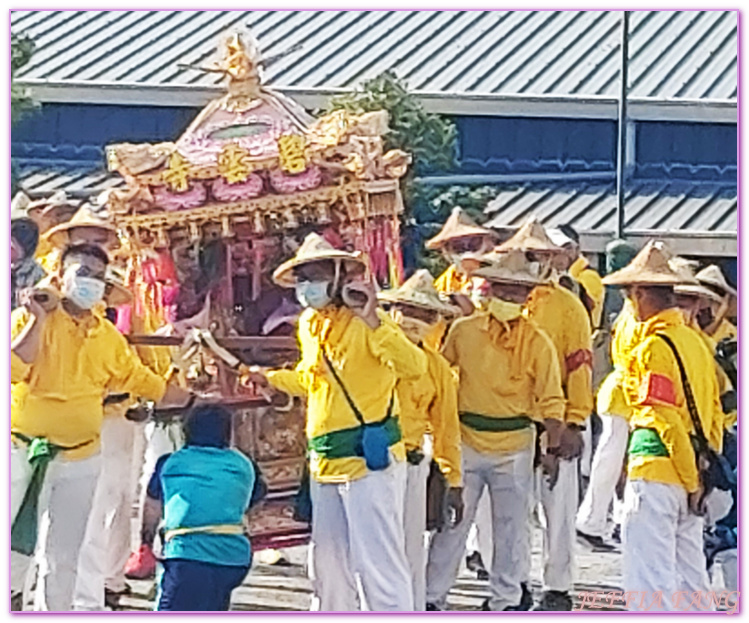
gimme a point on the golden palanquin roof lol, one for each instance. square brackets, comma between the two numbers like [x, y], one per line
[255, 157]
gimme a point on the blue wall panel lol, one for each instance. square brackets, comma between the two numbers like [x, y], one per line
[90, 124]
[488, 144]
[689, 143]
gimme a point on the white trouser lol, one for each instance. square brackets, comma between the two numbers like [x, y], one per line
[662, 547]
[415, 522]
[586, 458]
[64, 506]
[727, 561]
[509, 478]
[480, 534]
[107, 544]
[357, 532]
[593, 514]
[559, 506]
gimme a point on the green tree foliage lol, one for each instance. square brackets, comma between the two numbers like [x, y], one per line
[21, 50]
[21, 104]
[430, 139]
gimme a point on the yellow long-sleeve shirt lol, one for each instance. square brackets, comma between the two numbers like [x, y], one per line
[506, 370]
[725, 330]
[653, 389]
[430, 404]
[610, 398]
[60, 395]
[586, 275]
[369, 363]
[564, 319]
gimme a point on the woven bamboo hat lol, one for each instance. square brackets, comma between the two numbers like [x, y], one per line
[510, 267]
[116, 293]
[532, 236]
[54, 202]
[314, 249]
[713, 277]
[85, 217]
[689, 266]
[458, 225]
[418, 290]
[651, 267]
[19, 206]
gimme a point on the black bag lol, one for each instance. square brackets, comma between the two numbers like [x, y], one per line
[303, 499]
[715, 471]
[375, 439]
[437, 488]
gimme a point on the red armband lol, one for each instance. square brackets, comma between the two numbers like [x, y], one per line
[579, 358]
[657, 389]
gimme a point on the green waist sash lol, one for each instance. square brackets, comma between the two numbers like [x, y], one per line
[346, 443]
[646, 442]
[40, 452]
[483, 423]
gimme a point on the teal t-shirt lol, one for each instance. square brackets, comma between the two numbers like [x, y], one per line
[204, 486]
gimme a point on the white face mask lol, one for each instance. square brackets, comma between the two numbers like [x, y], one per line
[313, 294]
[84, 292]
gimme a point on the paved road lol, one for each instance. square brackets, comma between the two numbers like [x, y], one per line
[274, 587]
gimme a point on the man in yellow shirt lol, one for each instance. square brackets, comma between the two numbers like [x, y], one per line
[86, 227]
[573, 262]
[662, 534]
[428, 418]
[509, 378]
[564, 319]
[63, 363]
[352, 357]
[460, 236]
[713, 314]
[606, 469]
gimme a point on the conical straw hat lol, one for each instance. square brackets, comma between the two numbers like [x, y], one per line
[530, 237]
[712, 276]
[116, 293]
[510, 267]
[57, 200]
[19, 206]
[698, 290]
[458, 225]
[85, 217]
[651, 267]
[314, 249]
[418, 290]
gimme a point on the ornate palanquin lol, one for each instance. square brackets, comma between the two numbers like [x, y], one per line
[205, 219]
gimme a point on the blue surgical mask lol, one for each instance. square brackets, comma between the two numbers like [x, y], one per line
[313, 294]
[84, 292]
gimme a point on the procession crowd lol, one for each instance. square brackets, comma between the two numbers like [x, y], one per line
[444, 419]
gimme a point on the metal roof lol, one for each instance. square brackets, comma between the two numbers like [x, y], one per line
[675, 55]
[671, 209]
[698, 217]
[39, 179]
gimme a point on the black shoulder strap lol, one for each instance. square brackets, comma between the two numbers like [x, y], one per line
[691, 404]
[350, 400]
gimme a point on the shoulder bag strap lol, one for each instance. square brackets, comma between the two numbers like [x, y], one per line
[350, 400]
[691, 404]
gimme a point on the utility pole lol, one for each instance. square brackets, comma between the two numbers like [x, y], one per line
[621, 143]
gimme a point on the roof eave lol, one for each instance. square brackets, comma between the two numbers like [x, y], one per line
[489, 104]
